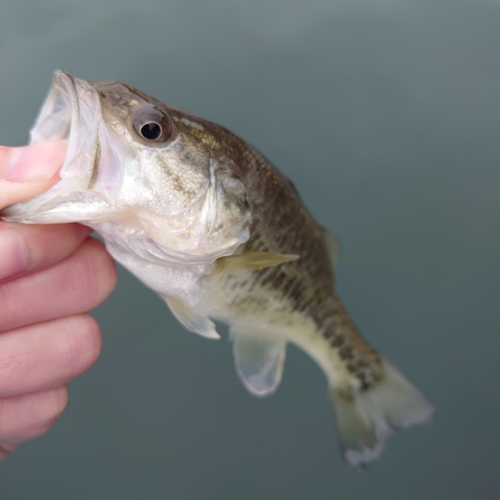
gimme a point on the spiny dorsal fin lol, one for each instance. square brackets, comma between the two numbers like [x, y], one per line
[332, 245]
[233, 264]
[258, 361]
[193, 321]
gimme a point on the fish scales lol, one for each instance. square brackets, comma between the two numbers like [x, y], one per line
[281, 224]
[208, 222]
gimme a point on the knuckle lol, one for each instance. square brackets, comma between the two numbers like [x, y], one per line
[8, 305]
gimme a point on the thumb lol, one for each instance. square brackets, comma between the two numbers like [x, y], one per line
[28, 171]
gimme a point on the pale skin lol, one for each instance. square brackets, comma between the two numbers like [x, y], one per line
[49, 277]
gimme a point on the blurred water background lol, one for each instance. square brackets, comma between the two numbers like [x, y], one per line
[386, 115]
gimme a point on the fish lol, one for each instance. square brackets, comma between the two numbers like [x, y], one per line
[208, 222]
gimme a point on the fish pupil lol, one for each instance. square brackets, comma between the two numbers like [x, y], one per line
[151, 131]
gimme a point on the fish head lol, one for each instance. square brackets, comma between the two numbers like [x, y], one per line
[137, 170]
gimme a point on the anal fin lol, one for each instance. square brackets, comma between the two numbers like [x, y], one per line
[259, 361]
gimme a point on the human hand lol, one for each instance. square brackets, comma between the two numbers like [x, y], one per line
[49, 277]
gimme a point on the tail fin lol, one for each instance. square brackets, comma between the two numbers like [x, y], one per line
[365, 421]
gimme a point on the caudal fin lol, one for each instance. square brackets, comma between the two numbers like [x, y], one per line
[365, 421]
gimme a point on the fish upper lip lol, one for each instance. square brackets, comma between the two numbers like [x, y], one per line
[63, 79]
[59, 116]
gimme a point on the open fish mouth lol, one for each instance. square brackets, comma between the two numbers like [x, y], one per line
[71, 111]
[68, 113]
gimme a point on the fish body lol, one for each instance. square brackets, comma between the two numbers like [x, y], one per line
[205, 220]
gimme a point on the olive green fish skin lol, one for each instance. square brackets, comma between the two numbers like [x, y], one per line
[281, 224]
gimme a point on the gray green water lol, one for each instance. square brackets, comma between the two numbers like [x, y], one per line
[386, 115]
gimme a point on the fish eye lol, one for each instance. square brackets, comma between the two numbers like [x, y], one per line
[151, 131]
[153, 127]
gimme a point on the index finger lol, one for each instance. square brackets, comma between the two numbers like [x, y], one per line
[28, 171]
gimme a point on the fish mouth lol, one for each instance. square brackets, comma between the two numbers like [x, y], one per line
[68, 113]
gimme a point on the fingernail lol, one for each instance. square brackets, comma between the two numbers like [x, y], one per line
[32, 163]
[13, 253]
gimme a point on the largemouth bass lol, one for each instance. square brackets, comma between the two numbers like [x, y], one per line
[205, 220]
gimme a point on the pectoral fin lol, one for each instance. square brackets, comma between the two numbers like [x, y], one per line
[198, 323]
[233, 264]
[259, 362]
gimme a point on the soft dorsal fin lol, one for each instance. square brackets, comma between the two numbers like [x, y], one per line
[198, 323]
[258, 361]
[233, 264]
[332, 245]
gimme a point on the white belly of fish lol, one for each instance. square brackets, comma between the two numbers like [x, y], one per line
[145, 259]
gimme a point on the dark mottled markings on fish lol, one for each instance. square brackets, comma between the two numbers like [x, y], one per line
[276, 204]
[346, 352]
[281, 224]
[336, 339]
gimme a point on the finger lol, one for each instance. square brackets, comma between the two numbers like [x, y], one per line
[77, 284]
[30, 415]
[29, 171]
[47, 355]
[25, 249]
